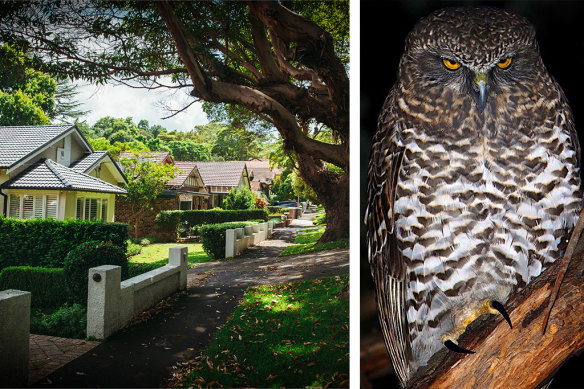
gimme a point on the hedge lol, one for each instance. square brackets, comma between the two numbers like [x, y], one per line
[213, 236]
[173, 219]
[46, 242]
[47, 286]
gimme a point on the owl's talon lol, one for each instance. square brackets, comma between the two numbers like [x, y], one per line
[501, 309]
[456, 348]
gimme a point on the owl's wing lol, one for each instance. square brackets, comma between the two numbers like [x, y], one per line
[387, 265]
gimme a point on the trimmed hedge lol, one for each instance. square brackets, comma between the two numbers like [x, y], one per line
[174, 219]
[46, 242]
[47, 286]
[84, 257]
[213, 236]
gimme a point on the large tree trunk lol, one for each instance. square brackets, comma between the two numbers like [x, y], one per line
[333, 192]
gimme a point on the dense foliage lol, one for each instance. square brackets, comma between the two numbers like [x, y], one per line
[239, 198]
[213, 236]
[69, 321]
[46, 285]
[46, 242]
[84, 257]
[189, 219]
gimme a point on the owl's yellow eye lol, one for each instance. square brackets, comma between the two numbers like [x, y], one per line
[505, 63]
[450, 64]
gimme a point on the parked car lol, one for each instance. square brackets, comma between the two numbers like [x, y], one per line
[287, 203]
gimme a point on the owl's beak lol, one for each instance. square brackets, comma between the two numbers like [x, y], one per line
[480, 91]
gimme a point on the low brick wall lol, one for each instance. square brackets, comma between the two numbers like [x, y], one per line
[111, 304]
[148, 226]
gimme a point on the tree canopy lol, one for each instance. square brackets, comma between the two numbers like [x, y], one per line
[257, 63]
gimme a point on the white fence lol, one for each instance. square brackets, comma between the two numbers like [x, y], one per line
[111, 304]
[239, 239]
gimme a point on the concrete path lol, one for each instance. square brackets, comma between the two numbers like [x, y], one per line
[180, 327]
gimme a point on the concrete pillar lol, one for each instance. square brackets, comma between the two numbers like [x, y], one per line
[103, 300]
[179, 256]
[14, 337]
[229, 243]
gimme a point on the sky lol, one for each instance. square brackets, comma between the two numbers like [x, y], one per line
[121, 101]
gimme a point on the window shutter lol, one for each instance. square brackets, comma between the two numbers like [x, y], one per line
[14, 206]
[27, 207]
[79, 209]
[104, 210]
[38, 207]
[51, 207]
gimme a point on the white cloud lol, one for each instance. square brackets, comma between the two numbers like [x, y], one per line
[123, 101]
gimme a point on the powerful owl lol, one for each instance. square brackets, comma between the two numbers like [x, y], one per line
[473, 179]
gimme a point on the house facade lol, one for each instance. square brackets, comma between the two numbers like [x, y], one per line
[52, 172]
[221, 177]
[263, 175]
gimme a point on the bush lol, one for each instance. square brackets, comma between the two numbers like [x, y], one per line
[46, 242]
[319, 220]
[47, 286]
[84, 257]
[133, 249]
[239, 198]
[66, 322]
[213, 237]
[190, 219]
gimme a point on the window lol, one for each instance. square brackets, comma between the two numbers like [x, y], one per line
[185, 205]
[33, 206]
[91, 209]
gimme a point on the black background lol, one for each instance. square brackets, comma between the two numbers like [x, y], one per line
[383, 28]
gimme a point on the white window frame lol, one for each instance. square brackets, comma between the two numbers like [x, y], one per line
[34, 197]
[99, 211]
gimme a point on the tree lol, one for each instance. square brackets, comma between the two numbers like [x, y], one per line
[283, 66]
[239, 198]
[236, 144]
[146, 180]
[188, 150]
[26, 95]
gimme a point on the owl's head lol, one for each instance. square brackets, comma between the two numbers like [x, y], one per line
[474, 50]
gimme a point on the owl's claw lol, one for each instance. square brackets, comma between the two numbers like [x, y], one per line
[456, 348]
[501, 309]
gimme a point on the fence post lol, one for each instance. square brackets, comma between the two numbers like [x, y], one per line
[14, 337]
[103, 300]
[179, 256]
[229, 243]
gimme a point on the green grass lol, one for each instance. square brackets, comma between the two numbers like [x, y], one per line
[284, 335]
[156, 255]
[306, 243]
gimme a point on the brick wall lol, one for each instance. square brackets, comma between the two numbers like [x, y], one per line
[148, 226]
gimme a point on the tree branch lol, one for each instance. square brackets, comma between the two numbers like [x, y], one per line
[520, 357]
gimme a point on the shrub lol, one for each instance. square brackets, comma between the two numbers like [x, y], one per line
[84, 257]
[213, 237]
[47, 286]
[319, 220]
[66, 322]
[190, 219]
[46, 242]
[239, 198]
[137, 268]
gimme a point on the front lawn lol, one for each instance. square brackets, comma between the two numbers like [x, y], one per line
[284, 335]
[156, 255]
[306, 243]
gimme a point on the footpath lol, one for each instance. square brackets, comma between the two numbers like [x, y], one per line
[177, 330]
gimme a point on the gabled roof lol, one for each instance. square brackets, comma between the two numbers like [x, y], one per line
[221, 173]
[88, 163]
[151, 156]
[17, 143]
[46, 174]
[186, 168]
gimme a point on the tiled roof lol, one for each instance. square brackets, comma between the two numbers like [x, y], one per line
[86, 163]
[151, 156]
[185, 170]
[221, 173]
[47, 174]
[17, 142]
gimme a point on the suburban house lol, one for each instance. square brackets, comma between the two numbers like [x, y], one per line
[52, 172]
[163, 157]
[188, 187]
[263, 175]
[220, 177]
